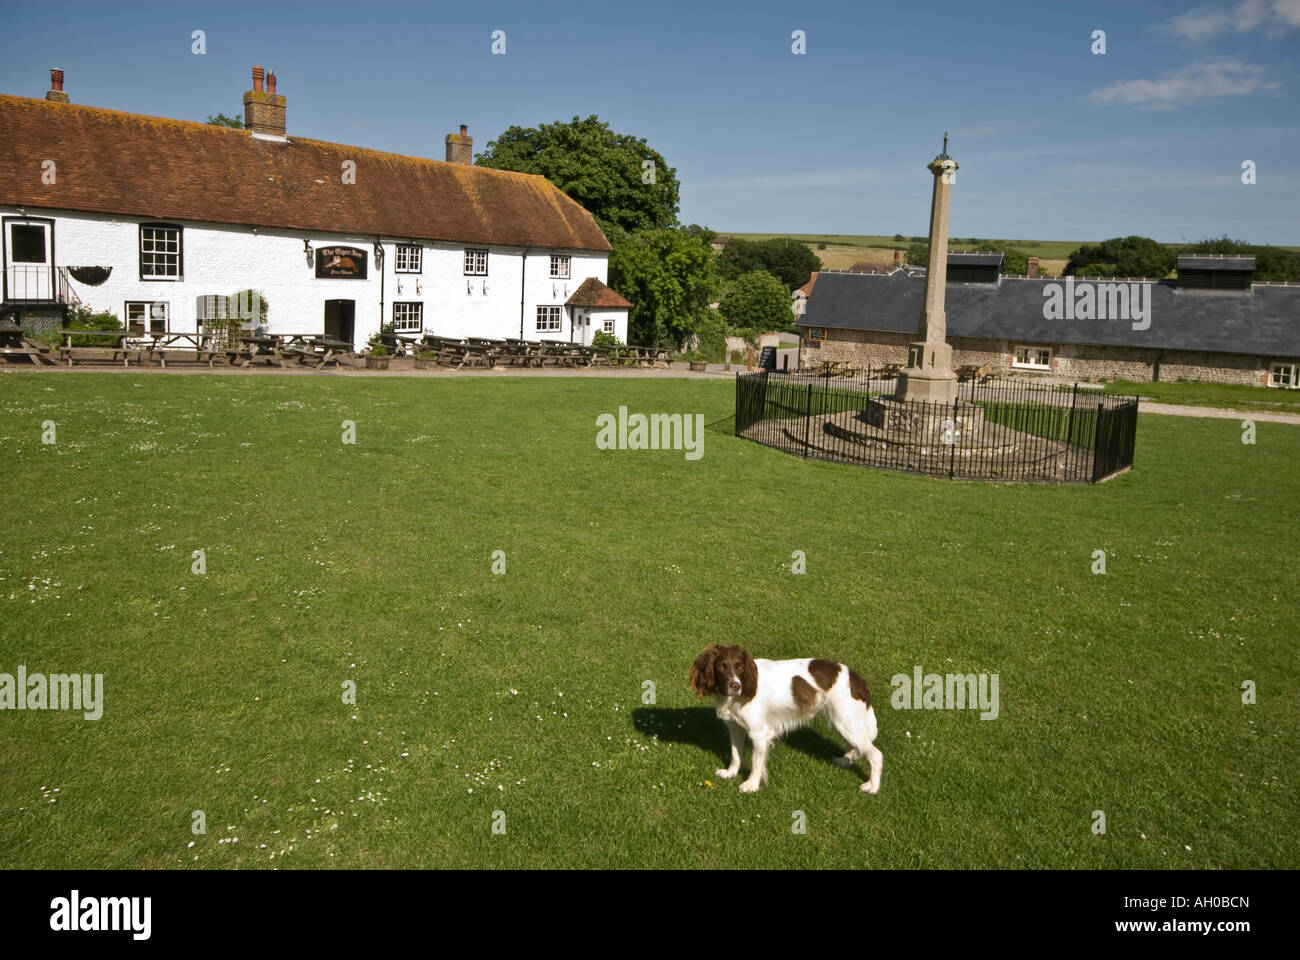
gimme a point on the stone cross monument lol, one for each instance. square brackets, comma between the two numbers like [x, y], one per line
[929, 375]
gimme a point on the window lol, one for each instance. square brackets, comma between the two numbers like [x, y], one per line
[816, 333]
[559, 268]
[407, 259]
[408, 318]
[27, 243]
[1033, 358]
[548, 318]
[475, 262]
[608, 326]
[160, 252]
[150, 316]
[1283, 375]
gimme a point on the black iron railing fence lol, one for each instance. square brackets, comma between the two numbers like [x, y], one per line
[1011, 430]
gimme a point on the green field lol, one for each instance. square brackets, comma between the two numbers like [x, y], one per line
[1046, 249]
[1225, 395]
[523, 692]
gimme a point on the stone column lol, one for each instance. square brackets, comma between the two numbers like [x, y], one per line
[929, 375]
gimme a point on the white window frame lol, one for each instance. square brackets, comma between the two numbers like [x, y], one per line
[476, 262]
[150, 251]
[407, 258]
[607, 326]
[152, 313]
[1283, 376]
[1028, 364]
[554, 318]
[412, 313]
[560, 266]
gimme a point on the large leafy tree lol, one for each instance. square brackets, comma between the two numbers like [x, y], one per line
[757, 302]
[669, 276]
[1122, 257]
[1014, 260]
[619, 178]
[790, 261]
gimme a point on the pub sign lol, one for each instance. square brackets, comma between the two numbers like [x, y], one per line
[341, 263]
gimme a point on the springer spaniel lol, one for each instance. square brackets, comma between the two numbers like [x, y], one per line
[767, 698]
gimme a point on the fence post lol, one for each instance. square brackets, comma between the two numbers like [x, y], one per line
[952, 454]
[1096, 443]
[807, 421]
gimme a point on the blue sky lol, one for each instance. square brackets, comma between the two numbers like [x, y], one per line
[1054, 142]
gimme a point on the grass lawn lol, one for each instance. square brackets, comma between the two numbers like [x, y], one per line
[522, 692]
[1230, 395]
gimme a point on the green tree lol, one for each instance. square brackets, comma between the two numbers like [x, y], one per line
[221, 120]
[618, 177]
[918, 254]
[1125, 256]
[669, 276]
[790, 261]
[758, 302]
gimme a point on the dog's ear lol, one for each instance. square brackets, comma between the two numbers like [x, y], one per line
[702, 678]
[748, 677]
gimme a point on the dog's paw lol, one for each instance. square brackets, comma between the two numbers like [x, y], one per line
[870, 788]
[725, 774]
[749, 786]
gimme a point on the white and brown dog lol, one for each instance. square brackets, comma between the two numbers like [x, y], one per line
[767, 698]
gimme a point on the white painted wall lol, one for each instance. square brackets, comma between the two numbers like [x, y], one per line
[221, 259]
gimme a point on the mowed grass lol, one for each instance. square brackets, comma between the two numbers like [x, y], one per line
[1233, 396]
[523, 692]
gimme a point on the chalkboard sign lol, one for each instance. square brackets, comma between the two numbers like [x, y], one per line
[341, 263]
[767, 361]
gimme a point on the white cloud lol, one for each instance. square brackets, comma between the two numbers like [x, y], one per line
[1274, 17]
[1200, 81]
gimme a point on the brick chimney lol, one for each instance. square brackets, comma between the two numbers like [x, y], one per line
[1032, 269]
[460, 146]
[56, 86]
[264, 109]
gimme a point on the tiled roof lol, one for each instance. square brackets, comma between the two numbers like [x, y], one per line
[593, 293]
[1263, 321]
[807, 288]
[119, 163]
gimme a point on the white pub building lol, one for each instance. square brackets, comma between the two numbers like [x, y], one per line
[158, 221]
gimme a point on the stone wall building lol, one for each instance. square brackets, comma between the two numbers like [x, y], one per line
[1213, 323]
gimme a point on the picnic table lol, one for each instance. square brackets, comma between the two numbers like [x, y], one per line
[158, 345]
[972, 371]
[628, 355]
[316, 349]
[13, 343]
[256, 348]
[398, 345]
[68, 352]
[890, 370]
[833, 368]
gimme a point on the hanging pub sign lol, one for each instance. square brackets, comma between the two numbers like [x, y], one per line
[341, 263]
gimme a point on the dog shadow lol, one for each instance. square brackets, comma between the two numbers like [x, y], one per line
[701, 727]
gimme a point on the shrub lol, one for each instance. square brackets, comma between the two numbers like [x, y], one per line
[602, 339]
[83, 318]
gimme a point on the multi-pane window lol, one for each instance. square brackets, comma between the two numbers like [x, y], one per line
[608, 326]
[475, 262]
[1033, 358]
[408, 318]
[160, 252]
[1283, 375]
[548, 318]
[148, 315]
[559, 268]
[407, 258]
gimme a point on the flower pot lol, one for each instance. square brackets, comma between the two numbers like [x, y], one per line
[376, 363]
[425, 363]
[699, 366]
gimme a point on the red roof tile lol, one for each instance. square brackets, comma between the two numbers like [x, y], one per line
[132, 165]
[593, 293]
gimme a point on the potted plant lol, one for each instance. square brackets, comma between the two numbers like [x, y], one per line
[697, 361]
[377, 359]
[426, 360]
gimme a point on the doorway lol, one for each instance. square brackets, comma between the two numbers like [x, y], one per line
[28, 259]
[340, 317]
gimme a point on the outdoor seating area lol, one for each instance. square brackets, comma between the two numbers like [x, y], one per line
[284, 350]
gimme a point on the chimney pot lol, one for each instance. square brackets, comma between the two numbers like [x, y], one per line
[463, 128]
[56, 86]
[1032, 268]
[257, 79]
[270, 83]
[264, 109]
[460, 146]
